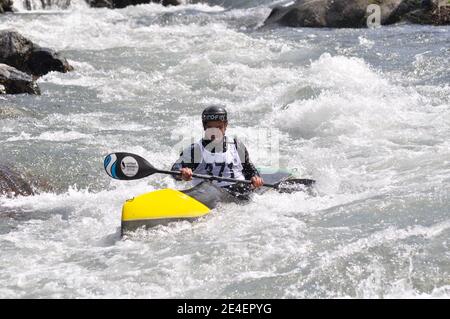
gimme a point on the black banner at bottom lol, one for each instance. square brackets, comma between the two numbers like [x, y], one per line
[227, 308]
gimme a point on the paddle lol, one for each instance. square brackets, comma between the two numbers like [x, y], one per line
[127, 166]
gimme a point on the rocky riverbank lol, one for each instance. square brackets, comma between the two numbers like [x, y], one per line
[306, 13]
[22, 62]
[359, 13]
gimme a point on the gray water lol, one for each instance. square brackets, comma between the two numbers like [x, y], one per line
[364, 112]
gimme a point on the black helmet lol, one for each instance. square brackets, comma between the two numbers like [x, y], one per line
[214, 113]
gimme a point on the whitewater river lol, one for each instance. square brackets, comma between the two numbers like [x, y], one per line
[364, 112]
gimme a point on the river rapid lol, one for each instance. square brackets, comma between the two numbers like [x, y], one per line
[364, 112]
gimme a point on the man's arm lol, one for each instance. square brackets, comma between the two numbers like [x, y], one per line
[189, 158]
[249, 170]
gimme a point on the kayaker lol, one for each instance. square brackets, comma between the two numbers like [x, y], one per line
[216, 154]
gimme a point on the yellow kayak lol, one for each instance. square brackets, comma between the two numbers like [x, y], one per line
[168, 205]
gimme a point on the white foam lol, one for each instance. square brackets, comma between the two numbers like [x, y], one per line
[366, 42]
[56, 136]
[100, 29]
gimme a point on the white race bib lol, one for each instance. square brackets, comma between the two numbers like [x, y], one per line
[227, 164]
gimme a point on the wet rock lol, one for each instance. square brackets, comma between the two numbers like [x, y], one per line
[100, 3]
[300, 14]
[10, 112]
[16, 82]
[397, 11]
[321, 13]
[43, 60]
[171, 2]
[342, 13]
[5, 5]
[441, 15]
[435, 12]
[24, 55]
[125, 3]
[12, 183]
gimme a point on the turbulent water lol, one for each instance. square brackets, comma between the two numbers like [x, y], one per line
[364, 112]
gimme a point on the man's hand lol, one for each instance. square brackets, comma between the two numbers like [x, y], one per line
[257, 181]
[186, 174]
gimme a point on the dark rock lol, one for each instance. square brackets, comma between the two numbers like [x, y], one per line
[347, 13]
[17, 82]
[339, 13]
[14, 49]
[5, 5]
[420, 16]
[100, 3]
[12, 183]
[317, 14]
[441, 15]
[397, 10]
[170, 2]
[426, 4]
[125, 3]
[24, 55]
[300, 14]
[432, 12]
[42, 60]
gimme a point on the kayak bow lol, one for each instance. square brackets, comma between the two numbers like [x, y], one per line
[160, 208]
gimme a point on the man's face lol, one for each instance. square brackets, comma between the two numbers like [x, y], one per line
[215, 130]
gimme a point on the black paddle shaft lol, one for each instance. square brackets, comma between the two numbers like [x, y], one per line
[287, 185]
[213, 178]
